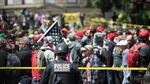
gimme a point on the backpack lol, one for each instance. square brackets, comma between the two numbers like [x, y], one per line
[41, 59]
[117, 57]
[74, 53]
[49, 55]
[133, 54]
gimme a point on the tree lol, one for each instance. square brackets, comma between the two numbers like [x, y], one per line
[132, 11]
[103, 5]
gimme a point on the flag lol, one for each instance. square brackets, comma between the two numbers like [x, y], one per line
[55, 33]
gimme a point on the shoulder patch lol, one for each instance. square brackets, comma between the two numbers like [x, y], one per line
[61, 67]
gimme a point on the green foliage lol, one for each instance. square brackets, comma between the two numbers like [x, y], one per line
[127, 10]
[117, 4]
[122, 17]
[89, 3]
[106, 5]
[93, 3]
[96, 3]
[140, 18]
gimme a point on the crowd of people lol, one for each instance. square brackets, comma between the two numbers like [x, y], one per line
[91, 47]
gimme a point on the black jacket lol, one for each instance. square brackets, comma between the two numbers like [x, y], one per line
[25, 56]
[3, 62]
[51, 77]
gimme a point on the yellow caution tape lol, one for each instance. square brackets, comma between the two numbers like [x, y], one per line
[102, 20]
[112, 68]
[22, 67]
[84, 68]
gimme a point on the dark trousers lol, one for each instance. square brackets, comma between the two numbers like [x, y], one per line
[117, 77]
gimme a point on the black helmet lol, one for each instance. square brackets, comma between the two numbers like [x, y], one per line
[61, 48]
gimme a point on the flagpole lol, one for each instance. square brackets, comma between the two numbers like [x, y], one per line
[47, 31]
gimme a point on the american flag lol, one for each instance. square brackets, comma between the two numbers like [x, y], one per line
[55, 33]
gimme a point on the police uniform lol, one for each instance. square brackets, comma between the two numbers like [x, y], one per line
[61, 71]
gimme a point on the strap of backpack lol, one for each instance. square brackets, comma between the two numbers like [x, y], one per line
[141, 45]
[8, 60]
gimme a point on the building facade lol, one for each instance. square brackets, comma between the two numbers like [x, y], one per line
[11, 4]
[51, 6]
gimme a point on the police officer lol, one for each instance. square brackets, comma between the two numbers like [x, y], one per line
[61, 71]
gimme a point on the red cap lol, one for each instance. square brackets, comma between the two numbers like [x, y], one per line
[144, 33]
[64, 30]
[111, 36]
[80, 34]
[37, 37]
[100, 29]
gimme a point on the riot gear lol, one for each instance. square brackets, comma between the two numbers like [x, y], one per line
[61, 48]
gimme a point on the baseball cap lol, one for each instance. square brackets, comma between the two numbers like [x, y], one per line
[144, 33]
[87, 47]
[100, 29]
[64, 30]
[122, 43]
[111, 36]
